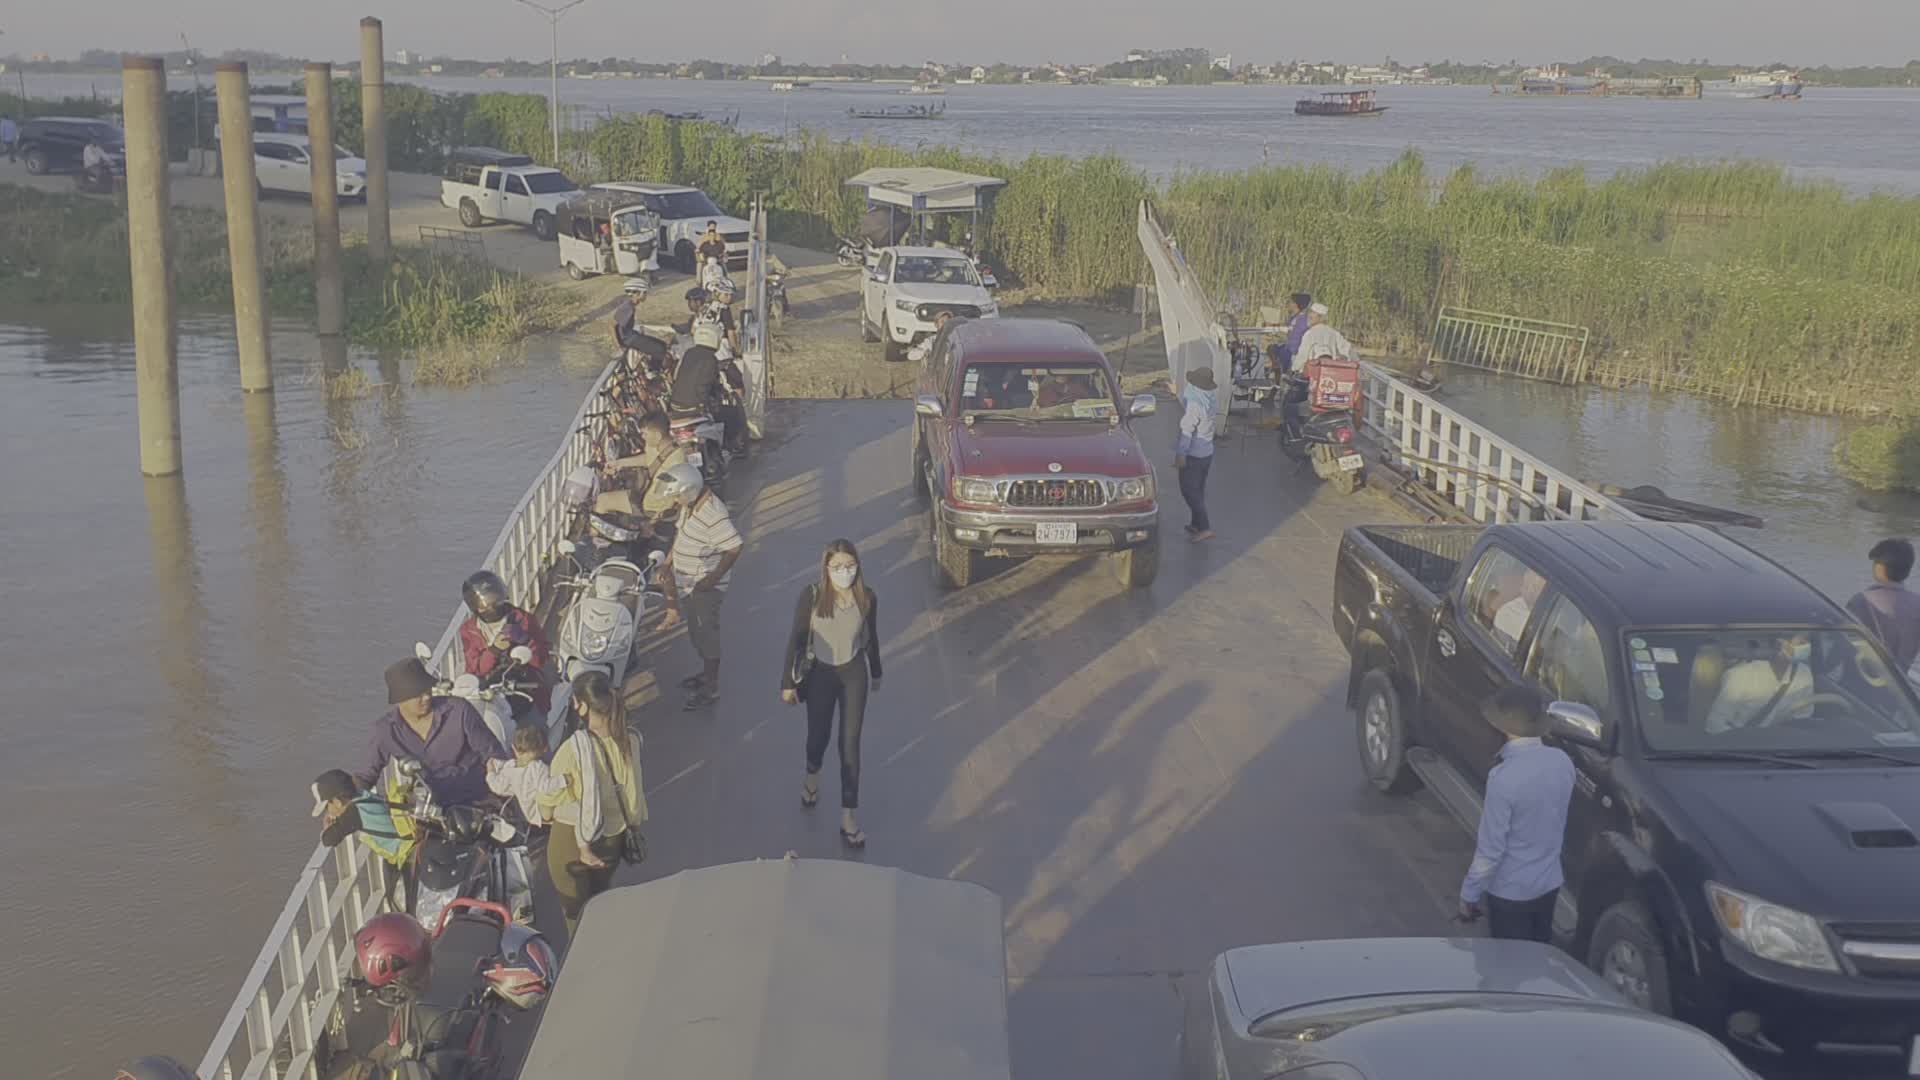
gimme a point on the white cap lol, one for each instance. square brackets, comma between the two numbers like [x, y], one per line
[1319, 309]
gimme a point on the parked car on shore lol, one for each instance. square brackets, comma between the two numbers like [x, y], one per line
[54, 143]
[281, 163]
[485, 184]
[909, 287]
[1023, 447]
[1741, 850]
[684, 213]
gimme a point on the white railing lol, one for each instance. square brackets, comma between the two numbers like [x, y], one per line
[1490, 479]
[274, 1028]
[756, 335]
[1193, 335]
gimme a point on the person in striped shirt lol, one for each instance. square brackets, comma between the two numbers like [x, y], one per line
[704, 550]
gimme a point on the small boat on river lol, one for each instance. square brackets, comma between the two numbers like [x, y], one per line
[1339, 103]
[925, 88]
[901, 112]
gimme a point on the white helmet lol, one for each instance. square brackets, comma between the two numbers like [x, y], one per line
[724, 287]
[634, 285]
[707, 334]
[681, 483]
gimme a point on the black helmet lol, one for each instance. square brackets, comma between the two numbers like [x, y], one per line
[696, 295]
[155, 1068]
[484, 593]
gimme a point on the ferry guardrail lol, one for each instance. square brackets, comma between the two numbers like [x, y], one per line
[1487, 477]
[1194, 337]
[756, 335]
[274, 1028]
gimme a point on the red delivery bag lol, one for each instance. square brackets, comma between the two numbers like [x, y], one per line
[1333, 384]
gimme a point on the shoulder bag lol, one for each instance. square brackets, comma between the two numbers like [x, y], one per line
[633, 845]
[803, 657]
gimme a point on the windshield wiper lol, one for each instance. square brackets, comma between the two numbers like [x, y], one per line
[1847, 752]
[1729, 755]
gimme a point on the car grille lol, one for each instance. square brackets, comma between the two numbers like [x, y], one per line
[1056, 494]
[1897, 943]
[964, 311]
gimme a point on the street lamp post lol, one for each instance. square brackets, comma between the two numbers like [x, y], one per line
[553, 15]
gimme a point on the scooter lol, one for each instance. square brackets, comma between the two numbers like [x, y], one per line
[1317, 427]
[598, 629]
[451, 1027]
[99, 180]
[705, 440]
[777, 305]
[505, 698]
[980, 265]
[850, 252]
[466, 852]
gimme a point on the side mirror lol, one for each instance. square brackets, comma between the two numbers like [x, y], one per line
[656, 557]
[1143, 405]
[521, 654]
[876, 277]
[423, 651]
[927, 405]
[1577, 723]
[564, 547]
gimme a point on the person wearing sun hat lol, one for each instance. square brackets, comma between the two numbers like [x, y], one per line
[1193, 453]
[444, 734]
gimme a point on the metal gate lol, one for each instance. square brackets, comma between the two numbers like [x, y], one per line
[1530, 348]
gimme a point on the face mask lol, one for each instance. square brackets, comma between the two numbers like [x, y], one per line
[842, 578]
[1802, 653]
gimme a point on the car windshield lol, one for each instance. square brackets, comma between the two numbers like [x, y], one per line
[686, 204]
[104, 134]
[1770, 691]
[1036, 391]
[934, 270]
[548, 183]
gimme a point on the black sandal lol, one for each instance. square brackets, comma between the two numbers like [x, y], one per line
[694, 681]
[810, 797]
[856, 839]
[700, 699]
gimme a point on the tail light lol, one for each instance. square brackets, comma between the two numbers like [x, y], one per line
[1344, 434]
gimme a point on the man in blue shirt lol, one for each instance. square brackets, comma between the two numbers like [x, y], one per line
[1515, 876]
[1297, 324]
[444, 734]
[1193, 451]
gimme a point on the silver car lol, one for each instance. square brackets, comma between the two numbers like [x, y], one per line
[1439, 1009]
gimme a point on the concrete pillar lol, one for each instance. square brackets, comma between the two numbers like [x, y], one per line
[243, 226]
[330, 298]
[156, 362]
[373, 121]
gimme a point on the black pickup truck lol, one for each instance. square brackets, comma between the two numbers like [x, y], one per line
[1741, 849]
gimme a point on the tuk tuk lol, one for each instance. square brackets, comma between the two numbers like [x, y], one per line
[604, 232]
[780, 969]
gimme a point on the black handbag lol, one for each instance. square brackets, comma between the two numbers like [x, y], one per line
[803, 658]
[633, 844]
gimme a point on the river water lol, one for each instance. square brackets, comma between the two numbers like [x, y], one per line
[1864, 140]
[185, 657]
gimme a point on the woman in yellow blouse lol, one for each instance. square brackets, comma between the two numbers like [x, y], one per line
[597, 796]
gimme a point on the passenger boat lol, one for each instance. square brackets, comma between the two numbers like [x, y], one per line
[925, 88]
[1339, 103]
[901, 112]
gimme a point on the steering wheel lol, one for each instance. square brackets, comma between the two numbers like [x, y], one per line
[1871, 669]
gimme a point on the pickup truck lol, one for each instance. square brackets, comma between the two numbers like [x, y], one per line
[1740, 848]
[485, 185]
[909, 287]
[1022, 447]
[684, 213]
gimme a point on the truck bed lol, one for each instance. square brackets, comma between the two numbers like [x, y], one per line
[1430, 553]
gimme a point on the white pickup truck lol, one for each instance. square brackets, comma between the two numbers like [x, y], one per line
[485, 185]
[909, 287]
[684, 213]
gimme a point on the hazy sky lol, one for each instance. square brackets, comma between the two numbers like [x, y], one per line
[1019, 31]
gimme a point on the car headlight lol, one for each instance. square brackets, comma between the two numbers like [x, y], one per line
[1135, 490]
[905, 305]
[1771, 932]
[989, 308]
[974, 491]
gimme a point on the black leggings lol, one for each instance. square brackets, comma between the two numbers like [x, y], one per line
[845, 686]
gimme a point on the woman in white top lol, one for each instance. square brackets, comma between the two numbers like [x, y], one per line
[595, 797]
[833, 659]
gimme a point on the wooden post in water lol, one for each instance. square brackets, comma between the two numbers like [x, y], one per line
[330, 299]
[243, 226]
[373, 123]
[143, 81]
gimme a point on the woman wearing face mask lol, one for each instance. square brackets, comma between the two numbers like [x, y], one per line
[488, 636]
[595, 796]
[833, 659]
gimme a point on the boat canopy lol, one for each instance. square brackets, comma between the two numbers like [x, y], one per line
[780, 969]
[926, 189]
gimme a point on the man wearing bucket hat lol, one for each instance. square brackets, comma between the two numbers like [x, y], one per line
[1193, 453]
[444, 734]
[1515, 876]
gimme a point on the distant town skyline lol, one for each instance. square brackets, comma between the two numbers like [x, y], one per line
[1854, 32]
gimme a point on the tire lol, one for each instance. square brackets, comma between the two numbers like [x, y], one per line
[1380, 725]
[953, 566]
[543, 225]
[1625, 940]
[1346, 483]
[574, 272]
[893, 350]
[36, 162]
[921, 488]
[1137, 567]
[470, 214]
[683, 256]
[866, 328]
[259, 192]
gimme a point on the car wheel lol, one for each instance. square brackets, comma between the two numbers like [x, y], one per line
[953, 565]
[1137, 567]
[894, 351]
[543, 225]
[1382, 729]
[470, 213]
[1627, 953]
[574, 272]
[36, 162]
[866, 326]
[920, 483]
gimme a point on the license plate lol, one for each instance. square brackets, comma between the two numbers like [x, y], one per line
[1057, 532]
[696, 459]
[1353, 462]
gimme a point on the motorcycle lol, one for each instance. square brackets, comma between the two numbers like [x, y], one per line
[598, 629]
[467, 852]
[851, 251]
[99, 180]
[705, 440]
[451, 1025]
[1317, 424]
[777, 305]
[980, 265]
[503, 700]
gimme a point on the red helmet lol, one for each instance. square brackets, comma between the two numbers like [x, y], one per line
[394, 950]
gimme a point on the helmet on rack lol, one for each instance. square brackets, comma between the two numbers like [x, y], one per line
[393, 950]
[707, 333]
[681, 483]
[155, 1068]
[486, 595]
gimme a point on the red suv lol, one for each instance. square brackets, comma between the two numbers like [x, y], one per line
[1025, 448]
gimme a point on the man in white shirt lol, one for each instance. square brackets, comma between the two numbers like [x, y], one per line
[704, 550]
[1511, 619]
[1761, 693]
[1322, 341]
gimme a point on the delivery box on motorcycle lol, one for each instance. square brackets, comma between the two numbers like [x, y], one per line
[1333, 383]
